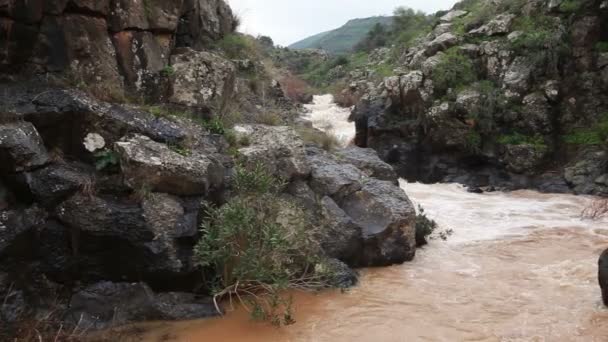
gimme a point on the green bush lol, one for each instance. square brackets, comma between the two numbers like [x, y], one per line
[491, 102]
[473, 141]
[106, 159]
[239, 46]
[454, 70]
[215, 126]
[424, 227]
[326, 141]
[259, 245]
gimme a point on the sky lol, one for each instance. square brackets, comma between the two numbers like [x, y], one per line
[288, 21]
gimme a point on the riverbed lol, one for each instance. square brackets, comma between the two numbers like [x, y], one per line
[520, 266]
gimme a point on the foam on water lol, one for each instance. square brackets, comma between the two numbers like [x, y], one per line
[326, 116]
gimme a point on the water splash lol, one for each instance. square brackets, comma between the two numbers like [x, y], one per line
[326, 116]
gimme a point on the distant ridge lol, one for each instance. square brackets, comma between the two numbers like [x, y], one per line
[343, 39]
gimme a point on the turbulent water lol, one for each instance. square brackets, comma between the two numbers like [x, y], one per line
[520, 266]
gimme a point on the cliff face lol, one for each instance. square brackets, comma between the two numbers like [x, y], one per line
[115, 42]
[514, 94]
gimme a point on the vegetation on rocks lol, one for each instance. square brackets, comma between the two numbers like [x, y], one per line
[260, 244]
[454, 70]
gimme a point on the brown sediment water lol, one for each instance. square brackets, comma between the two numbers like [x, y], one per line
[520, 266]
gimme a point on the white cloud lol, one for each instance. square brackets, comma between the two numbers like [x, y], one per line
[288, 21]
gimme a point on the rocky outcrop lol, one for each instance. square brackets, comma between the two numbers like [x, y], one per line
[107, 42]
[495, 97]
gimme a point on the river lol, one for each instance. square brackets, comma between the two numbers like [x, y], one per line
[520, 266]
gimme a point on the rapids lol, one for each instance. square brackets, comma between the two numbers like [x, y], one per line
[520, 266]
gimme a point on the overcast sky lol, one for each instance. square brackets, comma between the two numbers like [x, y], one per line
[288, 21]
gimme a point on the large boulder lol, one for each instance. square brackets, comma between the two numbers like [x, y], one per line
[341, 238]
[16, 226]
[278, 148]
[200, 77]
[367, 160]
[147, 164]
[204, 21]
[52, 184]
[501, 24]
[441, 43]
[21, 147]
[387, 219]
[108, 304]
[329, 177]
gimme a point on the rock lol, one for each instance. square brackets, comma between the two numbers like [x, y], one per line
[21, 148]
[153, 15]
[501, 24]
[331, 178]
[518, 75]
[141, 57]
[536, 114]
[468, 100]
[199, 78]
[454, 14]
[602, 60]
[603, 276]
[15, 226]
[166, 215]
[204, 21]
[551, 88]
[387, 220]
[523, 158]
[367, 160]
[56, 182]
[120, 240]
[340, 275]
[147, 164]
[441, 43]
[341, 237]
[278, 148]
[106, 304]
[94, 142]
[582, 173]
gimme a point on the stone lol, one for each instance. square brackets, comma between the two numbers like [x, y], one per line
[199, 78]
[441, 43]
[166, 215]
[536, 114]
[387, 220]
[367, 160]
[523, 158]
[107, 304]
[278, 148]
[204, 21]
[141, 56]
[15, 227]
[21, 147]
[56, 182]
[454, 14]
[331, 178]
[501, 24]
[147, 164]
[551, 88]
[340, 238]
[517, 76]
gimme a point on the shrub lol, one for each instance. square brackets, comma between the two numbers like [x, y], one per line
[259, 245]
[268, 118]
[106, 160]
[326, 141]
[424, 227]
[296, 89]
[491, 101]
[239, 46]
[473, 141]
[215, 126]
[454, 70]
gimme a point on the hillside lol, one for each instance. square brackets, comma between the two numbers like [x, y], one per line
[343, 39]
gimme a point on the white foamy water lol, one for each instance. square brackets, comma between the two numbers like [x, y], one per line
[326, 116]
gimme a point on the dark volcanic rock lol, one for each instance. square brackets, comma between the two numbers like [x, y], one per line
[109, 304]
[603, 275]
[387, 220]
[367, 160]
[342, 238]
[21, 147]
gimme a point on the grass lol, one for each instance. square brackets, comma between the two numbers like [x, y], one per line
[520, 139]
[326, 141]
[597, 134]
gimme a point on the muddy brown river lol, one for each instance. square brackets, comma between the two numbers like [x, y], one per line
[520, 266]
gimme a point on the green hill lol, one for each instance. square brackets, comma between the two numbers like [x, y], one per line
[343, 39]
